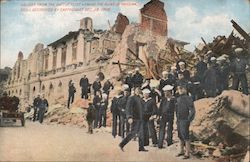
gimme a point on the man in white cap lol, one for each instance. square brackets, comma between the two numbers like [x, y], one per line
[137, 78]
[166, 114]
[134, 114]
[149, 114]
[239, 66]
[183, 70]
[96, 85]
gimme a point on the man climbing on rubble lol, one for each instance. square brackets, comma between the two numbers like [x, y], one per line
[239, 67]
[137, 78]
[72, 91]
[96, 85]
[90, 117]
[84, 84]
[185, 113]
[134, 112]
[166, 115]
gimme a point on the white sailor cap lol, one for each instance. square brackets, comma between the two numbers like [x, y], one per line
[213, 58]
[125, 86]
[137, 69]
[104, 95]
[164, 73]
[167, 88]
[181, 63]
[130, 72]
[209, 51]
[144, 85]
[173, 67]
[225, 55]
[221, 58]
[233, 46]
[146, 91]
[96, 76]
[238, 50]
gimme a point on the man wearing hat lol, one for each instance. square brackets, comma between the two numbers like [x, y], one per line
[185, 113]
[201, 67]
[210, 81]
[165, 80]
[116, 112]
[84, 84]
[137, 78]
[224, 74]
[96, 85]
[149, 114]
[183, 70]
[166, 114]
[124, 126]
[71, 96]
[90, 117]
[103, 110]
[239, 66]
[134, 114]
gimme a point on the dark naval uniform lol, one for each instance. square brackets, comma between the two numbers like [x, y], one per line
[149, 109]
[96, 86]
[122, 109]
[84, 84]
[115, 115]
[210, 82]
[137, 79]
[90, 117]
[166, 114]
[107, 87]
[134, 110]
[97, 104]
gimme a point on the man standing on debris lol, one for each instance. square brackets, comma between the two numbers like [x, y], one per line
[183, 70]
[210, 80]
[97, 102]
[137, 78]
[201, 67]
[224, 73]
[36, 102]
[134, 111]
[96, 85]
[115, 112]
[149, 114]
[107, 86]
[43, 105]
[103, 110]
[129, 80]
[90, 117]
[72, 91]
[84, 84]
[185, 113]
[239, 67]
[166, 114]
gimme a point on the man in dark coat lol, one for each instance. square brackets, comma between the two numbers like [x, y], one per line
[166, 114]
[185, 113]
[210, 81]
[103, 110]
[134, 112]
[36, 102]
[149, 114]
[183, 70]
[137, 78]
[107, 86]
[123, 125]
[129, 80]
[195, 86]
[224, 74]
[84, 84]
[201, 67]
[96, 85]
[43, 105]
[72, 91]
[166, 80]
[90, 117]
[97, 103]
[239, 66]
[115, 112]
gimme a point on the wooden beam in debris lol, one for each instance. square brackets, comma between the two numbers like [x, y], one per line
[126, 64]
[135, 55]
[240, 30]
[208, 48]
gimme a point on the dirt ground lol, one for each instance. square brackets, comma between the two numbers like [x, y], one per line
[41, 142]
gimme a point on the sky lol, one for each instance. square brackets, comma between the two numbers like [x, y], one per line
[24, 23]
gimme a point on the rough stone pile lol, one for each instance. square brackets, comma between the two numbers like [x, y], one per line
[221, 125]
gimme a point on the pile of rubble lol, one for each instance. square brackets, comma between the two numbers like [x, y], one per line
[221, 126]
